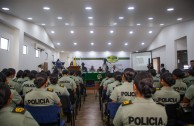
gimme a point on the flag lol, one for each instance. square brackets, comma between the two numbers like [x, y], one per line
[74, 62]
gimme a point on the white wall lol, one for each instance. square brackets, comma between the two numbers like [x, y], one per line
[15, 29]
[181, 44]
[167, 38]
[160, 52]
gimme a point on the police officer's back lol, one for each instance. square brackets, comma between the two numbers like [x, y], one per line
[190, 79]
[143, 111]
[29, 85]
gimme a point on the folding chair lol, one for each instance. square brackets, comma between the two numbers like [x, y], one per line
[171, 111]
[46, 115]
[112, 110]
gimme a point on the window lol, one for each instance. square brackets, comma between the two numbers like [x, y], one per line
[25, 49]
[37, 53]
[4, 43]
[46, 55]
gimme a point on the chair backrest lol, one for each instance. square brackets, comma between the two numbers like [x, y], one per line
[112, 109]
[171, 110]
[71, 96]
[45, 114]
[66, 103]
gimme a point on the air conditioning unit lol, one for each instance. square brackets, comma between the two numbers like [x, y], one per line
[40, 47]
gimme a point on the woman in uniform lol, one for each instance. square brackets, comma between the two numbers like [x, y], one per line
[143, 110]
[13, 117]
[40, 96]
[166, 94]
[125, 91]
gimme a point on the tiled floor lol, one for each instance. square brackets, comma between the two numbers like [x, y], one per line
[89, 115]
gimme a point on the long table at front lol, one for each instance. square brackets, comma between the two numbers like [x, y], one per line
[92, 77]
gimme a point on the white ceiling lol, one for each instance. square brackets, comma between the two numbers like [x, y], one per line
[104, 13]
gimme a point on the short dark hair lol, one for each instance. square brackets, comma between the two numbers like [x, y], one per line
[40, 79]
[191, 60]
[162, 65]
[2, 77]
[191, 72]
[153, 72]
[168, 78]
[4, 94]
[178, 73]
[118, 76]
[129, 74]
[65, 71]
[53, 79]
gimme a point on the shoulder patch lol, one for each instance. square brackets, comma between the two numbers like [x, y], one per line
[157, 89]
[19, 110]
[127, 102]
[50, 89]
[159, 103]
[118, 85]
[62, 85]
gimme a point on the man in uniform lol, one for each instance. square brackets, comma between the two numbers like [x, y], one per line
[29, 85]
[156, 79]
[190, 79]
[189, 96]
[192, 64]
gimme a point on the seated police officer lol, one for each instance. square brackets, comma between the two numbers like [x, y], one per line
[156, 79]
[125, 91]
[143, 111]
[166, 94]
[13, 117]
[40, 96]
[190, 79]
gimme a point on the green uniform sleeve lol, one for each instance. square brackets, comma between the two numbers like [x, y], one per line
[114, 95]
[189, 93]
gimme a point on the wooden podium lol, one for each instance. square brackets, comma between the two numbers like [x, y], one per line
[74, 68]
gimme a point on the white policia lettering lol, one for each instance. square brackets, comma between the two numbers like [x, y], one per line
[146, 120]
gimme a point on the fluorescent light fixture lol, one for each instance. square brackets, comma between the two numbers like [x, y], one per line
[92, 43]
[66, 24]
[43, 24]
[62, 51]
[60, 18]
[58, 43]
[150, 32]
[130, 32]
[46, 8]
[142, 43]
[29, 18]
[109, 43]
[179, 19]
[88, 8]
[91, 32]
[150, 18]
[138, 24]
[136, 51]
[5, 8]
[170, 9]
[52, 32]
[131, 8]
[121, 18]
[72, 32]
[111, 31]
[91, 24]
[90, 17]
[126, 44]
[161, 24]
[75, 43]
[114, 23]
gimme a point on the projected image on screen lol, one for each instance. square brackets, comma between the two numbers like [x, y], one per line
[141, 60]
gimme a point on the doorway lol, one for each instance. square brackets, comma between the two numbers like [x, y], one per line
[156, 64]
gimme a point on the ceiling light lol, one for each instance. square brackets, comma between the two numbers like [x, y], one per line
[92, 43]
[72, 32]
[91, 24]
[142, 43]
[91, 32]
[75, 43]
[88, 8]
[138, 24]
[59, 18]
[170, 9]
[131, 32]
[121, 18]
[150, 32]
[179, 19]
[29, 18]
[5, 8]
[90, 17]
[131, 8]
[43, 24]
[161, 24]
[150, 18]
[46, 8]
[58, 43]
[111, 31]
[62, 51]
[66, 24]
[109, 43]
[114, 23]
[52, 32]
[136, 51]
[126, 44]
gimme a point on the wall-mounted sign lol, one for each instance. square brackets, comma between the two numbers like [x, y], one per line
[112, 59]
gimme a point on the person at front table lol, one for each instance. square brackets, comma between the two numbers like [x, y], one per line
[100, 69]
[92, 69]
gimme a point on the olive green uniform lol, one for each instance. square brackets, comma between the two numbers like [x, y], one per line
[17, 99]
[180, 86]
[80, 80]
[142, 112]
[103, 80]
[20, 81]
[59, 89]
[111, 87]
[107, 82]
[123, 92]
[189, 81]
[166, 96]
[8, 117]
[41, 97]
[156, 82]
[28, 86]
[190, 94]
[68, 82]
[76, 79]
[15, 85]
